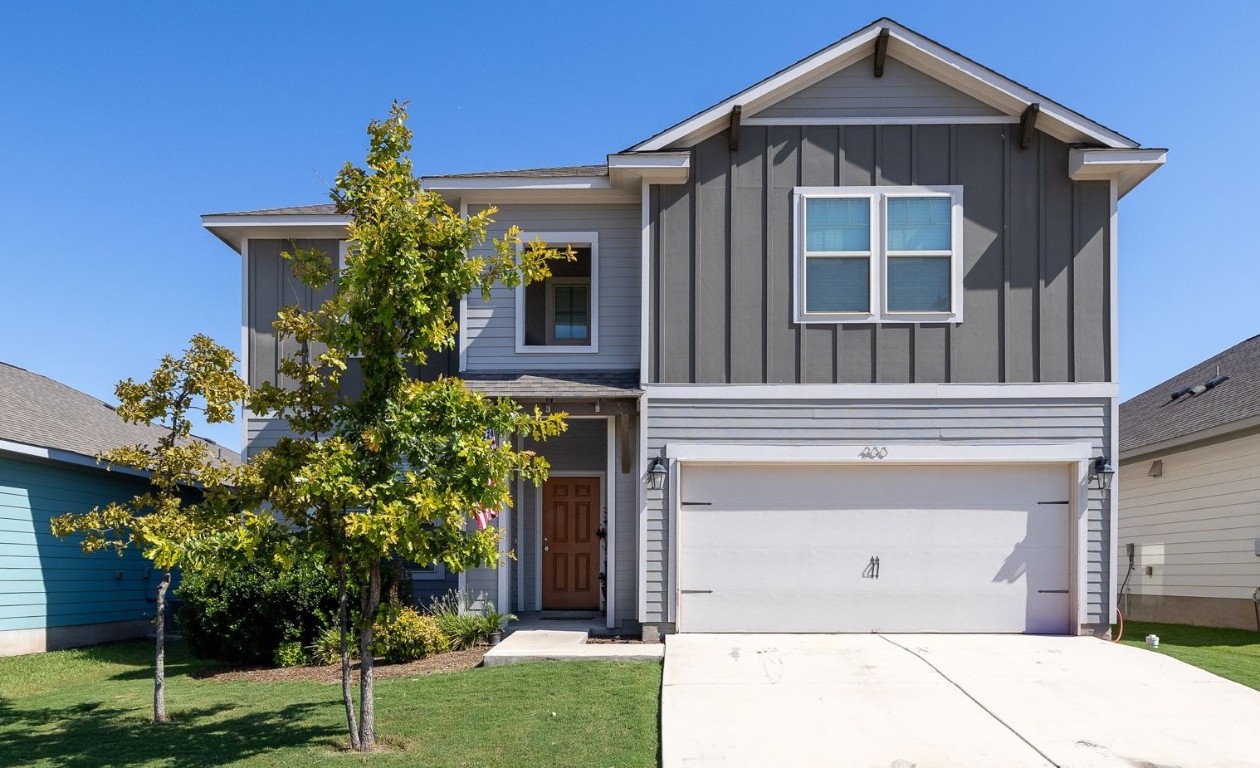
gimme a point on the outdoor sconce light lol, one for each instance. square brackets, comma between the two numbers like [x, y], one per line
[656, 474]
[1101, 473]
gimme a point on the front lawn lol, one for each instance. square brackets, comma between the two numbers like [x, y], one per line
[90, 707]
[1231, 653]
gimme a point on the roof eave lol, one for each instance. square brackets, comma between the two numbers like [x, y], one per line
[1129, 167]
[235, 229]
[1225, 430]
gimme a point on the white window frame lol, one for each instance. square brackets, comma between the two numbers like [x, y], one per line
[560, 240]
[878, 262]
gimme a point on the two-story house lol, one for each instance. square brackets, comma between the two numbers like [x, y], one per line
[838, 351]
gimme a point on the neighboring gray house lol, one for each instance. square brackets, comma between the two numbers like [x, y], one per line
[52, 595]
[839, 352]
[1190, 505]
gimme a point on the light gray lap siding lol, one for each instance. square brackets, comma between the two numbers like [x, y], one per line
[854, 91]
[789, 421]
[490, 327]
[1036, 286]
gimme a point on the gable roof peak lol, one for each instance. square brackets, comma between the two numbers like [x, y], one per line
[918, 51]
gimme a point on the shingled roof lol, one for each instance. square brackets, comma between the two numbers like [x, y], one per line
[1155, 417]
[38, 412]
[559, 385]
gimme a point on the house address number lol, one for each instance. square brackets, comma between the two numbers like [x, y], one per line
[874, 452]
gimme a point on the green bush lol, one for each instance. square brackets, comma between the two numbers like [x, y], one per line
[290, 654]
[405, 635]
[244, 614]
[326, 650]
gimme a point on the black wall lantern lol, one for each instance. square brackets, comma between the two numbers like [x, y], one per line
[1101, 473]
[656, 474]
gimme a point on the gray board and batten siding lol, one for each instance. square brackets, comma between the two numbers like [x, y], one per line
[854, 91]
[788, 421]
[490, 327]
[1036, 280]
[272, 286]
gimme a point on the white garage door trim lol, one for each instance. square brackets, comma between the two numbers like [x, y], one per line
[1068, 454]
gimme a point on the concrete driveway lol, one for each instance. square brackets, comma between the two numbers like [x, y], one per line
[946, 700]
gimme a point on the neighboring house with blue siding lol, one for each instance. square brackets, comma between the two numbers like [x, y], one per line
[52, 594]
[838, 352]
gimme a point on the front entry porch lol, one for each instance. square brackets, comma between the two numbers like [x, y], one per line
[570, 544]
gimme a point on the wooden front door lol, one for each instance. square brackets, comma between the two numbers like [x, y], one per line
[570, 540]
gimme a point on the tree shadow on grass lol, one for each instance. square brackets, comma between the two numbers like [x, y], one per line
[96, 735]
[138, 655]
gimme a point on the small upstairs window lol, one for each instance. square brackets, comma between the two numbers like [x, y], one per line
[560, 313]
[878, 254]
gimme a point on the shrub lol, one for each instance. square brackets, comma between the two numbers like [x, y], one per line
[290, 654]
[464, 626]
[244, 614]
[326, 650]
[405, 635]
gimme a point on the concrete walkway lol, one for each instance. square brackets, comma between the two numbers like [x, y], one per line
[945, 700]
[542, 645]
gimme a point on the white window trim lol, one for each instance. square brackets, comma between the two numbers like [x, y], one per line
[558, 240]
[878, 312]
[437, 574]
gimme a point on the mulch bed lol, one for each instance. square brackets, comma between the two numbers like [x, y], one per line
[443, 663]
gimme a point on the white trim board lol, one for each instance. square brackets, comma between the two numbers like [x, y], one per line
[554, 240]
[1075, 456]
[947, 120]
[1099, 390]
[610, 524]
[66, 457]
[538, 526]
[906, 46]
[894, 453]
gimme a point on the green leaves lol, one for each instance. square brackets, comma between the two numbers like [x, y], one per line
[189, 498]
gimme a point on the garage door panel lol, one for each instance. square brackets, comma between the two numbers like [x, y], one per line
[805, 563]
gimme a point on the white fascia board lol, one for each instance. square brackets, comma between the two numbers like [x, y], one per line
[66, 457]
[933, 59]
[1129, 167]
[1220, 432]
[654, 168]
[235, 230]
[1099, 390]
[891, 453]
[773, 88]
[997, 91]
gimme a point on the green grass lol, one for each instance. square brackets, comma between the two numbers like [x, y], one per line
[1231, 653]
[91, 707]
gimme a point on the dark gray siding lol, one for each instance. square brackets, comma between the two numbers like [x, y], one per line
[1036, 286]
[272, 286]
[789, 421]
[854, 91]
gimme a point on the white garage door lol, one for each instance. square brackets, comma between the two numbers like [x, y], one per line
[790, 548]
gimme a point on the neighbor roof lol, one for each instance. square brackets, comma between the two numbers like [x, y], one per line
[38, 412]
[558, 385]
[1154, 417]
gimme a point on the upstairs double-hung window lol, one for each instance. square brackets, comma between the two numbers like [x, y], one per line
[561, 312]
[872, 254]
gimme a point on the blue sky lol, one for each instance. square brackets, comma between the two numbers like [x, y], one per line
[121, 123]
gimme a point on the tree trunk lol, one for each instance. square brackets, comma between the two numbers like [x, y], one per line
[159, 665]
[343, 619]
[367, 704]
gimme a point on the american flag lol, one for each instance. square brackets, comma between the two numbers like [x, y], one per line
[486, 514]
